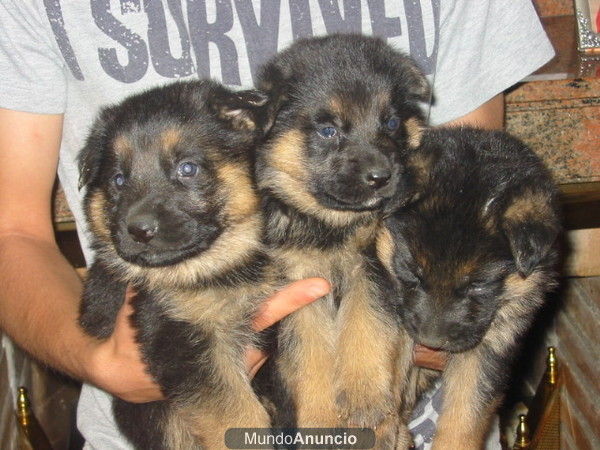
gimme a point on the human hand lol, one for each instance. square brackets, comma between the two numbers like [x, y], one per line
[428, 358]
[116, 364]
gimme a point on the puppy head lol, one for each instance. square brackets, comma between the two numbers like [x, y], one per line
[168, 172]
[448, 292]
[477, 245]
[346, 111]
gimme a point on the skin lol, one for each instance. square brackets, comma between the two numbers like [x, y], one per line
[44, 321]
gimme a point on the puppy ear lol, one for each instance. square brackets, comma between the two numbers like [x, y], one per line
[276, 79]
[530, 223]
[243, 110]
[412, 79]
[93, 151]
[530, 243]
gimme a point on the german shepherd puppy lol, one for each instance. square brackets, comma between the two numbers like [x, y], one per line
[346, 117]
[472, 259]
[173, 211]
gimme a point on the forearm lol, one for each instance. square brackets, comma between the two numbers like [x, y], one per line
[490, 115]
[39, 291]
[39, 303]
[39, 308]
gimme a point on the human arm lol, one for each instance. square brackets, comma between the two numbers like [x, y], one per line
[39, 288]
[39, 299]
[489, 115]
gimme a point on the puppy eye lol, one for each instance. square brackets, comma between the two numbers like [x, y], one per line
[392, 123]
[187, 169]
[327, 132]
[119, 179]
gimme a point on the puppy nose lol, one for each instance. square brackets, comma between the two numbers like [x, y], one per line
[431, 334]
[434, 343]
[378, 177]
[142, 229]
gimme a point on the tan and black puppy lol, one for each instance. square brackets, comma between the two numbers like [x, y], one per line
[173, 211]
[472, 258]
[346, 117]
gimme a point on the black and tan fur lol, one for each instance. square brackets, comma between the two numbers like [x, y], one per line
[346, 117]
[472, 258]
[173, 212]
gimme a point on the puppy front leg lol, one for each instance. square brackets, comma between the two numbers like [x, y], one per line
[200, 368]
[369, 378]
[471, 398]
[226, 398]
[404, 394]
[235, 406]
[305, 364]
[103, 296]
[415, 380]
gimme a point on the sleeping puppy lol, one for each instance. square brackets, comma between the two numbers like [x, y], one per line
[173, 211]
[472, 258]
[346, 117]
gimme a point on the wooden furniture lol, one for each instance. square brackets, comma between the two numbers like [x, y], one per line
[31, 435]
[539, 429]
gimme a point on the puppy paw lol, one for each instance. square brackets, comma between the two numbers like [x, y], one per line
[362, 411]
[386, 433]
[404, 439]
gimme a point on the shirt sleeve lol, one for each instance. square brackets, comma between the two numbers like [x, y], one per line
[485, 47]
[32, 68]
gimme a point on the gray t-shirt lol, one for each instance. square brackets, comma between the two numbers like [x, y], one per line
[72, 57]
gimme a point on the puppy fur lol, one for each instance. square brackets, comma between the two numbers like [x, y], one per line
[346, 117]
[472, 259]
[173, 212]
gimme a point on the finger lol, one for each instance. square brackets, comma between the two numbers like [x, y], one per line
[257, 366]
[259, 358]
[288, 300]
[253, 356]
[129, 294]
[428, 358]
[142, 396]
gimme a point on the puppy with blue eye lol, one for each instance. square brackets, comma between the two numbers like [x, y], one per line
[173, 211]
[346, 117]
[472, 257]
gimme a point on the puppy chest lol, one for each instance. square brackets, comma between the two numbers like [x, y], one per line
[214, 308]
[345, 270]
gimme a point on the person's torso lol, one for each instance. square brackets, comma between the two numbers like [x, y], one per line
[111, 49]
